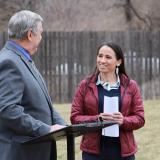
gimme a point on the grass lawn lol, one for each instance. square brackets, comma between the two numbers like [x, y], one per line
[148, 137]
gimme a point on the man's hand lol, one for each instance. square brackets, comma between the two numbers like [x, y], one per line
[56, 127]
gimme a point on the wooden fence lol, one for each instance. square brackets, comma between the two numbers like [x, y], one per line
[64, 58]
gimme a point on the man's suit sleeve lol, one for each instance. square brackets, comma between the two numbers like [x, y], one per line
[57, 119]
[11, 111]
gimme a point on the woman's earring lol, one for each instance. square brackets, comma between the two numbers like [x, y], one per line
[117, 70]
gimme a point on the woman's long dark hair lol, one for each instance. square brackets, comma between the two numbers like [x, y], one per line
[119, 55]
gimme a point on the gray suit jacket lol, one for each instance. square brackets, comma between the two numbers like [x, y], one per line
[25, 108]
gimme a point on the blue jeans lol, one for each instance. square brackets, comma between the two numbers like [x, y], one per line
[90, 156]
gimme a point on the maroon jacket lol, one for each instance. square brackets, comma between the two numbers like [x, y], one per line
[85, 108]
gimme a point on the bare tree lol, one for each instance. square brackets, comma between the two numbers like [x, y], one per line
[131, 11]
[78, 15]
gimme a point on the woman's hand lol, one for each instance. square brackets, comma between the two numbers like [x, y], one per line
[114, 117]
[106, 117]
[118, 118]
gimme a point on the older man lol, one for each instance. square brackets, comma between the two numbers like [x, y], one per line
[25, 107]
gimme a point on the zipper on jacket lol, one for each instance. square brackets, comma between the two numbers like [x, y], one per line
[125, 88]
[95, 98]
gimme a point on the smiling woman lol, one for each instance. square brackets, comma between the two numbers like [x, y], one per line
[96, 97]
[107, 63]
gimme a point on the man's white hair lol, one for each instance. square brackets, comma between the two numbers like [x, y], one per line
[21, 22]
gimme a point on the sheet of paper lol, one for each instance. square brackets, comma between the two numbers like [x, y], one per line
[111, 105]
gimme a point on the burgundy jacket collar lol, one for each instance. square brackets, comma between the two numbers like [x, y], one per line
[124, 80]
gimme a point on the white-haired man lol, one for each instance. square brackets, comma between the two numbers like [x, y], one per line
[25, 107]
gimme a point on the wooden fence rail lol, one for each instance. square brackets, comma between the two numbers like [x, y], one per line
[64, 58]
